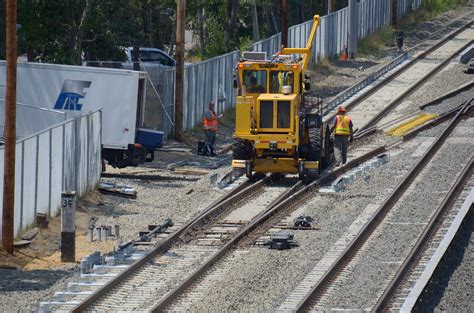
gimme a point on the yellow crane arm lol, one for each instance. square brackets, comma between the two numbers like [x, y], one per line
[306, 52]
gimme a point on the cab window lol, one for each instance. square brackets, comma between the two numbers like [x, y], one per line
[255, 81]
[279, 79]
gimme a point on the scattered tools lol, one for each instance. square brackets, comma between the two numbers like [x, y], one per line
[112, 188]
[145, 236]
[304, 221]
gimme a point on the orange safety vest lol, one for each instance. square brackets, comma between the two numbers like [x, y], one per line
[343, 125]
[210, 124]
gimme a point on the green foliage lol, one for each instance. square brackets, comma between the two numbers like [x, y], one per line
[439, 6]
[245, 43]
[64, 31]
[377, 42]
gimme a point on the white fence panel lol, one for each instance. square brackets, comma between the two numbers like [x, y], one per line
[18, 186]
[81, 137]
[69, 157]
[203, 80]
[29, 182]
[2, 154]
[94, 154]
[56, 169]
[63, 157]
[44, 170]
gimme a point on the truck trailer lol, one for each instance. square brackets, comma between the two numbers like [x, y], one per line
[76, 90]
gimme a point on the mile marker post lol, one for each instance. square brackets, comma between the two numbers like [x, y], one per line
[68, 226]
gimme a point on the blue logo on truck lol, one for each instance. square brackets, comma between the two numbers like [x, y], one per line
[71, 92]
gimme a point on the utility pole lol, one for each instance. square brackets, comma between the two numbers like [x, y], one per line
[353, 28]
[284, 23]
[179, 93]
[10, 129]
[394, 13]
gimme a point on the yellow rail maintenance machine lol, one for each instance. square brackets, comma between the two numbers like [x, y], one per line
[278, 129]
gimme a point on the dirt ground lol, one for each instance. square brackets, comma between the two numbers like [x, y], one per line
[331, 77]
[44, 250]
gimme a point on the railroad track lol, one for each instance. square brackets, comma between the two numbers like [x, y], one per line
[408, 283]
[371, 104]
[335, 276]
[264, 220]
[182, 250]
[208, 244]
[182, 297]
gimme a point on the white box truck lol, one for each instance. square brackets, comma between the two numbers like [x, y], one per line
[120, 94]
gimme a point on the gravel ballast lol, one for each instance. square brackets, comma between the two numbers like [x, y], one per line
[261, 278]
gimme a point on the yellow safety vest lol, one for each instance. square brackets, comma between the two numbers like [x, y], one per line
[343, 125]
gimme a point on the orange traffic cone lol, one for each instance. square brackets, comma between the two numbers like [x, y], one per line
[344, 54]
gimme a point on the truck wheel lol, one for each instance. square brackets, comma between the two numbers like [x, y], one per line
[314, 146]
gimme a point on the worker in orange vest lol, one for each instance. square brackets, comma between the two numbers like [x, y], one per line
[210, 129]
[342, 126]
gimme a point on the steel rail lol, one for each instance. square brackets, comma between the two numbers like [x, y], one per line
[449, 94]
[413, 88]
[408, 65]
[428, 232]
[349, 92]
[276, 206]
[148, 177]
[377, 218]
[229, 197]
[409, 135]
[442, 118]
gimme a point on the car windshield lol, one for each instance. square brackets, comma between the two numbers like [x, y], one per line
[155, 56]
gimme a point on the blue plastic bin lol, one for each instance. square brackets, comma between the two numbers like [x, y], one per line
[149, 138]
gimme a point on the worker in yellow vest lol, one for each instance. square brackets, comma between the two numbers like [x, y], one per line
[210, 129]
[343, 134]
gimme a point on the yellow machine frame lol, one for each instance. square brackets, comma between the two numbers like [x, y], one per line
[285, 139]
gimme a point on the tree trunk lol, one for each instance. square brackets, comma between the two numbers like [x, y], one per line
[255, 26]
[202, 22]
[232, 9]
[2, 27]
[76, 33]
[284, 23]
[271, 20]
[331, 6]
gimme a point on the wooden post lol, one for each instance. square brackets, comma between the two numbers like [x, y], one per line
[10, 130]
[284, 23]
[179, 93]
[68, 226]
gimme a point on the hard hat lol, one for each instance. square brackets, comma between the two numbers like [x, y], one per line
[341, 109]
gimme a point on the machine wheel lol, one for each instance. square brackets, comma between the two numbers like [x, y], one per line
[314, 146]
[240, 149]
[248, 170]
[301, 171]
